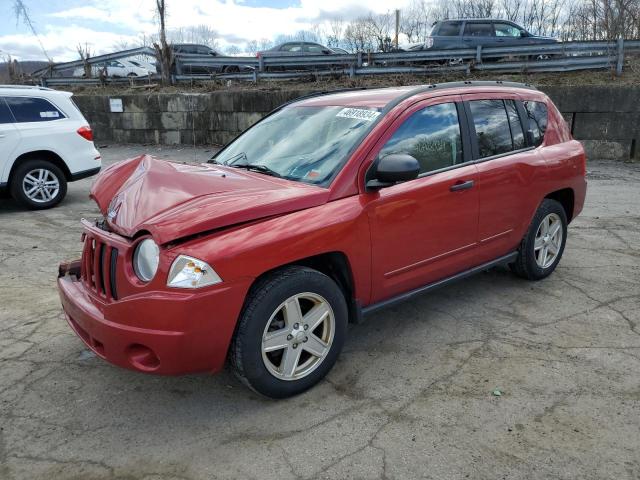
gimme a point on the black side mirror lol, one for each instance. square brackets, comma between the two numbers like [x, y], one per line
[394, 168]
[327, 52]
[524, 33]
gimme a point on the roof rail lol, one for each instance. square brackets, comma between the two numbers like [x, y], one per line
[324, 92]
[21, 87]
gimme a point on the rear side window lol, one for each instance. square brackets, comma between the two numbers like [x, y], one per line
[478, 30]
[449, 29]
[5, 113]
[431, 136]
[27, 109]
[537, 117]
[492, 127]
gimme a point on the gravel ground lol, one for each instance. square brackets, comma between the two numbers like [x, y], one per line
[410, 397]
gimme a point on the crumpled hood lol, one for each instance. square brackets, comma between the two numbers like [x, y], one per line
[174, 200]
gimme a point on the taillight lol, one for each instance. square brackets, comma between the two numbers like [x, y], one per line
[258, 55]
[86, 133]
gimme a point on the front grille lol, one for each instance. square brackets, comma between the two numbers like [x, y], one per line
[99, 265]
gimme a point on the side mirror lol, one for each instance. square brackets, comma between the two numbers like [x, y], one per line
[394, 168]
[524, 33]
[327, 52]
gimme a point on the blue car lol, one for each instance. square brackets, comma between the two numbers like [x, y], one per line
[469, 33]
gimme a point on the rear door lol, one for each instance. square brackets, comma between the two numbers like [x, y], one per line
[478, 33]
[9, 140]
[425, 229]
[507, 169]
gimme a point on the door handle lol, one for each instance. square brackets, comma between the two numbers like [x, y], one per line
[456, 187]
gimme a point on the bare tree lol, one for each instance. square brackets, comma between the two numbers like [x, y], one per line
[85, 54]
[22, 13]
[163, 50]
[233, 50]
[336, 28]
[252, 47]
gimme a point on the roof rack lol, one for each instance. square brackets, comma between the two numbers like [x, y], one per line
[26, 87]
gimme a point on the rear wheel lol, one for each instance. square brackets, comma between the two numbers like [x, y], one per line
[290, 333]
[543, 245]
[38, 184]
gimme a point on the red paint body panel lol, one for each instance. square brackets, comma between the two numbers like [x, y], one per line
[245, 224]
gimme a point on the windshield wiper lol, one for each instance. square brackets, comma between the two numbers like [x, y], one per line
[259, 168]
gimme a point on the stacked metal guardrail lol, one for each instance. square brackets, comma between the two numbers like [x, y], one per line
[555, 57]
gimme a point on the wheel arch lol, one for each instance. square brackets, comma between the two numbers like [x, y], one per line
[46, 155]
[336, 266]
[566, 198]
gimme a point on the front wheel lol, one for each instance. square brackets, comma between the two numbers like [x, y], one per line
[290, 332]
[543, 245]
[38, 184]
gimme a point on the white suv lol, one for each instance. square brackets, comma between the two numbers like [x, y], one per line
[45, 142]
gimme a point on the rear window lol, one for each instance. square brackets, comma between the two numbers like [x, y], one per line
[478, 30]
[537, 117]
[5, 113]
[493, 130]
[449, 29]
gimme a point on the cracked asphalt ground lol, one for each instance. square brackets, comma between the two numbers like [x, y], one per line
[410, 397]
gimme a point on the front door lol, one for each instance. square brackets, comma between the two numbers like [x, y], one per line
[425, 229]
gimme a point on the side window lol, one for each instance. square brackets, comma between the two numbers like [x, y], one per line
[492, 127]
[506, 30]
[517, 134]
[537, 116]
[5, 113]
[431, 135]
[449, 29]
[27, 109]
[478, 30]
[312, 48]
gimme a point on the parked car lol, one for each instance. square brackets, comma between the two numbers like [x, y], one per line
[114, 69]
[149, 67]
[45, 142]
[469, 33]
[295, 49]
[329, 208]
[196, 49]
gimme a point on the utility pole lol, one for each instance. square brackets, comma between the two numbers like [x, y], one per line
[397, 27]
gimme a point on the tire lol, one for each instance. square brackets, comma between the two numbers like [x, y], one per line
[27, 174]
[532, 263]
[267, 333]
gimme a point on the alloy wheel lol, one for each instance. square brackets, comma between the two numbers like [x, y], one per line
[41, 185]
[298, 336]
[548, 240]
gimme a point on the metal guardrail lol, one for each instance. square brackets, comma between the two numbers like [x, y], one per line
[96, 60]
[555, 57]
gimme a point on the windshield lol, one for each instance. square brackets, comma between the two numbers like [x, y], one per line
[308, 144]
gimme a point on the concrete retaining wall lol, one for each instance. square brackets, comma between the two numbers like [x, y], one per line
[605, 118]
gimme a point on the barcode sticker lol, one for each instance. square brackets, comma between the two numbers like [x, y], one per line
[52, 114]
[358, 113]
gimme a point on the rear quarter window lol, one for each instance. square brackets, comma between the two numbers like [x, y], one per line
[537, 117]
[449, 29]
[28, 109]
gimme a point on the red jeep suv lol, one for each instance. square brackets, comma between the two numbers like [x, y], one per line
[331, 207]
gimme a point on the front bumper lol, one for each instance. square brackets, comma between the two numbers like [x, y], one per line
[191, 330]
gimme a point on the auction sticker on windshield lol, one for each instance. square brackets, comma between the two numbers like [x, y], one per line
[359, 113]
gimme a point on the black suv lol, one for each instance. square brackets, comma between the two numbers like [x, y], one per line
[197, 49]
[471, 32]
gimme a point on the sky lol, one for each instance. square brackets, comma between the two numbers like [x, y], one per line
[105, 24]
